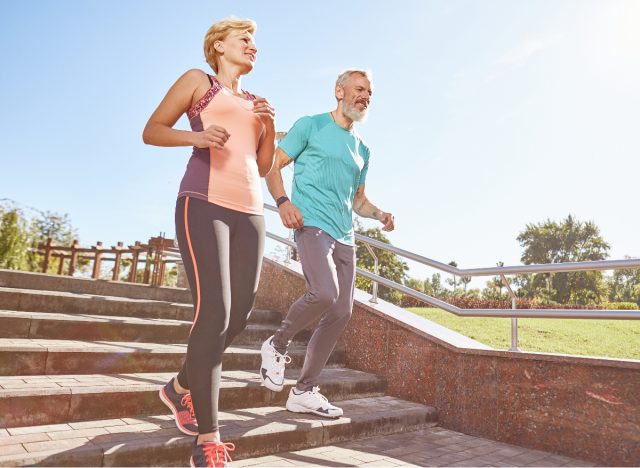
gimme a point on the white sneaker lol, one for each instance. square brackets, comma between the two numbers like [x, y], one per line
[272, 368]
[312, 401]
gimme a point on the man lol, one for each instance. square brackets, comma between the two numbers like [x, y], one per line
[331, 163]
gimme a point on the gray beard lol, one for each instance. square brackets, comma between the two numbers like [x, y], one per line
[354, 114]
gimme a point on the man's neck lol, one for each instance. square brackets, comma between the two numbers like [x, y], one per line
[341, 119]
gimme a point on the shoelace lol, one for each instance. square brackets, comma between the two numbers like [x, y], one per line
[284, 357]
[186, 401]
[218, 453]
[316, 391]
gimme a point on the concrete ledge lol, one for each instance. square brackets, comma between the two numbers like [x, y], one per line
[46, 282]
[587, 408]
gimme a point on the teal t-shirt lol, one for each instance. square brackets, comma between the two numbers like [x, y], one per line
[330, 163]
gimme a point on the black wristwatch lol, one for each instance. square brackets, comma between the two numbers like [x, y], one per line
[281, 200]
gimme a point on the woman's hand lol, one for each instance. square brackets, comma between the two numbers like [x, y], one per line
[265, 111]
[214, 136]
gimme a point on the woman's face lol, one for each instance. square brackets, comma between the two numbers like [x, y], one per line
[239, 48]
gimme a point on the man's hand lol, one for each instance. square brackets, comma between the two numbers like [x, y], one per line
[290, 215]
[387, 219]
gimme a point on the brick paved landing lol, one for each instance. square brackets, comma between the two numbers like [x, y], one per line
[434, 446]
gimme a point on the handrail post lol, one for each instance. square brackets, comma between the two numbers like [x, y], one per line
[133, 269]
[514, 320]
[118, 261]
[97, 261]
[374, 290]
[287, 258]
[61, 264]
[47, 254]
[73, 263]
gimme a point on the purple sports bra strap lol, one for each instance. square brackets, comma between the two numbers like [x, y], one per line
[204, 100]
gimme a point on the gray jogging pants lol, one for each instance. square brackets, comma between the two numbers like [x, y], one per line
[329, 269]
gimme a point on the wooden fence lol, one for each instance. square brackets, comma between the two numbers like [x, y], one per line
[152, 256]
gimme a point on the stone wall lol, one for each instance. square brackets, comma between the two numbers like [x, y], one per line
[587, 408]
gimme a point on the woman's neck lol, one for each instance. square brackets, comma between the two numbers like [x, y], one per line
[229, 79]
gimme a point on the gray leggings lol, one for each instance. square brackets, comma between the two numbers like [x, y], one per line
[329, 269]
[222, 254]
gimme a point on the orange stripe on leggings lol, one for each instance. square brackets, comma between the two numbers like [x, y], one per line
[193, 259]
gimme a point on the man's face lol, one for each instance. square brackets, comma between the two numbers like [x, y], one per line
[356, 97]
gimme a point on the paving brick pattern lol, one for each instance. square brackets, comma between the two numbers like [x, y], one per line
[80, 373]
[155, 439]
[433, 446]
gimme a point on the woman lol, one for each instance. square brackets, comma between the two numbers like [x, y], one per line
[219, 222]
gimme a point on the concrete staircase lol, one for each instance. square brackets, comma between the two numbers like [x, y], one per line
[81, 363]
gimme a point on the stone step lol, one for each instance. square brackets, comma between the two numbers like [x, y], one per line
[155, 441]
[26, 300]
[45, 399]
[51, 325]
[45, 282]
[55, 357]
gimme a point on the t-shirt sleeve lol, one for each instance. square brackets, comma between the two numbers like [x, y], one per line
[296, 140]
[365, 168]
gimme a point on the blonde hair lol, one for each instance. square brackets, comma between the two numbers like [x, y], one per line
[219, 32]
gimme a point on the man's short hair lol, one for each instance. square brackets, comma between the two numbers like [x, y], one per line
[345, 75]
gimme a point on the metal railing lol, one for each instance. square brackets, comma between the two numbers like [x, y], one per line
[502, 271]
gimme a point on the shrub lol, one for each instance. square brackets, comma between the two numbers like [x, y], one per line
[620, 306]
[478, 303]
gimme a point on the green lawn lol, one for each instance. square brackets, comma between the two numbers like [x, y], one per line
[611, 338]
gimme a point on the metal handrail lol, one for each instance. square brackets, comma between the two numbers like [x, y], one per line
[501, 271]
[523, 313]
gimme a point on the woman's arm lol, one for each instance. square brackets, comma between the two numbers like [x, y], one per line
[159, 130]
[267, 145]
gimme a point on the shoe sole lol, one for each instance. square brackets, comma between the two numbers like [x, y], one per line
[269, 384]
[169, 405]
[301, 409]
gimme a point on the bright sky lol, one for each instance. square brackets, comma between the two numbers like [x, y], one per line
[486, 115]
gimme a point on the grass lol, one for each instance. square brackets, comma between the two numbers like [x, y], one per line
[610, 338]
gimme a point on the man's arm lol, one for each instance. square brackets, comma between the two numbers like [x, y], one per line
[289, 213]
[363, 207]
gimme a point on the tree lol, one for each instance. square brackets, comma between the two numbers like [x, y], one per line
[624, 285]
[465, 280]
[20, 236]
[414, 283]
[495, 286]
[434, 286]
[453, 280]
[15, 240]
[389, 265]
[56, 226]
[568, 241]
